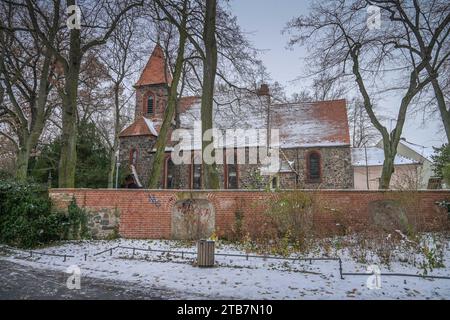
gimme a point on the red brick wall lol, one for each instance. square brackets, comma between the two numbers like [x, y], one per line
[147, 213]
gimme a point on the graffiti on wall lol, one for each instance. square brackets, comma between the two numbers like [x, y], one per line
[153, 200]
[192, 219]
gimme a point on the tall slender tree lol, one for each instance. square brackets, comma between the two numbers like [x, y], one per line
[182, 11]
[210, 175]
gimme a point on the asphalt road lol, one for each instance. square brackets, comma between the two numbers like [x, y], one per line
[23, 282]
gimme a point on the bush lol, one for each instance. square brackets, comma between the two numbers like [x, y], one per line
[285, 226]
[26, 219]
[75, 222]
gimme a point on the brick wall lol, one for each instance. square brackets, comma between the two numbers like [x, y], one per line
[147, 213]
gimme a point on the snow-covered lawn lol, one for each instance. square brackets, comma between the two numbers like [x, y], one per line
[236, 277]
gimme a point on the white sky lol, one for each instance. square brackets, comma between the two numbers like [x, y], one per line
[264, 20]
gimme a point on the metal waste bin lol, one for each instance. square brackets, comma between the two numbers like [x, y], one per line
[205, 253]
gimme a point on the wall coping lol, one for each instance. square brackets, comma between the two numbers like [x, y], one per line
[56, 190]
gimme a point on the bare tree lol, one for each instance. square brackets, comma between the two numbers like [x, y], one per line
[182, 11]
[235, 64]
[362, 132]
[120, 59]
[98, 21]
[25, 74]
[338, 33]
[424, 31]
[210, 175]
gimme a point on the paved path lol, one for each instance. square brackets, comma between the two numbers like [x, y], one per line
[24, 282]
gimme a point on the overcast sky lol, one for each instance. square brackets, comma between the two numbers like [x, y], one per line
[263, 20]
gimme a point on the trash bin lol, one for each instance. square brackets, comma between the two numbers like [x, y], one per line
[205, 253]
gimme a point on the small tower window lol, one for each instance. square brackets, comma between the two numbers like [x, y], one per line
[133, 157]
[150, 104]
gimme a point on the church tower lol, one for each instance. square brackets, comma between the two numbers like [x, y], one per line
[152, 88]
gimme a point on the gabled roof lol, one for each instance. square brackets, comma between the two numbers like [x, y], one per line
[375, 157]
[155, 72]
[141, 127]
[311, 124]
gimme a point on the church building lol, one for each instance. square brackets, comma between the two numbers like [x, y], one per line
[314, 140]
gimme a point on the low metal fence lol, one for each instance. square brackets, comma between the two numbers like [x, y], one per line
[32, 252]
[182, 253]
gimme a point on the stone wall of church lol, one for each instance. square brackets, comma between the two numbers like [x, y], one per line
[335, 166]
[144, 146]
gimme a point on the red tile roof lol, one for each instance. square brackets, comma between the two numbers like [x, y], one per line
[153, 72]
[316, 123]
[307, 124]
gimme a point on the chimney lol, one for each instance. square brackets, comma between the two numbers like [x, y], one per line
[263, 90]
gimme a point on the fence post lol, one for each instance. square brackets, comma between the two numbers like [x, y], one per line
[340, 269]
[205, 253]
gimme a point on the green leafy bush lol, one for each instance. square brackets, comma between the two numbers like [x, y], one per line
[27, 219]
[75, 222]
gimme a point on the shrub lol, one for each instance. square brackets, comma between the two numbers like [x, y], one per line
[27, 219]
[285, 226]
[75, 222]
[291, 214]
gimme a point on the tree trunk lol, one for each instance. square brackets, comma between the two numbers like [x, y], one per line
[22, 162]
[210, 175]
[68, 160]
[445, 114]
[388, 166]
[112, 167]
[29, 143]
[161, 141]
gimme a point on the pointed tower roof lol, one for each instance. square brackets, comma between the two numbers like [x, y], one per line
[155, 71]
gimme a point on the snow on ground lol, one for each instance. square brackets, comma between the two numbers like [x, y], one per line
[234, 277]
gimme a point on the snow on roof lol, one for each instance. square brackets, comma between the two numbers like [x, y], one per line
[425, 152]
[150, 126]
[312, 124]
[375, 157]
[141, 127]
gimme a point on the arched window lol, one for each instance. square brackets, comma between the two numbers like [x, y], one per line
[314, 167]
[196, 171]
[169, 174]
[231, 172]
[274, 183]
[133, 156]
[150, 104]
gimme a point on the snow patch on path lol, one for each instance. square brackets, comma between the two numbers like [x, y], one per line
[234, 277]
